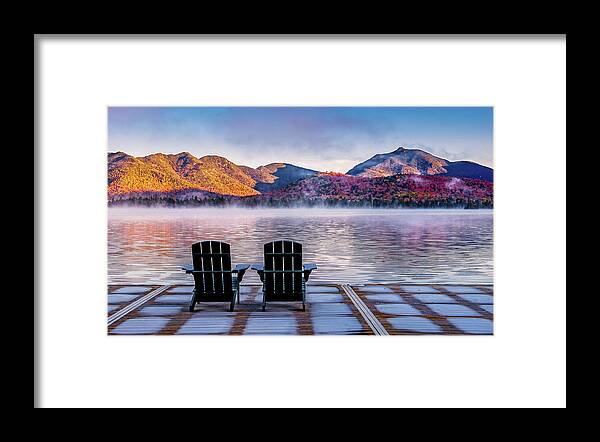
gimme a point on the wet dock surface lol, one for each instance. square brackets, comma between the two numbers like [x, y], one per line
[332, 309]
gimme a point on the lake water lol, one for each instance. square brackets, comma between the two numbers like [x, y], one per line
[148, 246]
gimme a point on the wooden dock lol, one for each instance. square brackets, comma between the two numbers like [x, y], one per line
[333, 309]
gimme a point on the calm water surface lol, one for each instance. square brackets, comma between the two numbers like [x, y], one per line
[390, 245]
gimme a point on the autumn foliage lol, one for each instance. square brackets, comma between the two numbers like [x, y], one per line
[182, 179]
[397, 190]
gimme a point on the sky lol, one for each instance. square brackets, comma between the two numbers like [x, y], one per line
[321, 138]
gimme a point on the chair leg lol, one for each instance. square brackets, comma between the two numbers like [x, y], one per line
[192, 302]
[232, 304]
[304, 299]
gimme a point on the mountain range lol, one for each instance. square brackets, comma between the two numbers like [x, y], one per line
[183, 177]
[418, 162]
[182, 172]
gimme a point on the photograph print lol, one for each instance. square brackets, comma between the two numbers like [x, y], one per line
[300, 221]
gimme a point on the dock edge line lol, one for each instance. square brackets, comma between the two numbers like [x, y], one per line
[136, 304]
[366, 313]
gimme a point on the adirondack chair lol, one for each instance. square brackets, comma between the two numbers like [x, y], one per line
[214, 279]
[283, 275]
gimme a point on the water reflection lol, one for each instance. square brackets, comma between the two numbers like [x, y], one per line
[432, 246]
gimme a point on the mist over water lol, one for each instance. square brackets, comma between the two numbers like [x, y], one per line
[148, 246]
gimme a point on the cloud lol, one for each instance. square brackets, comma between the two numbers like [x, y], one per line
[323, 138]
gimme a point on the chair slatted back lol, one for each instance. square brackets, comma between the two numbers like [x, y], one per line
[283, 268]
[214, 259]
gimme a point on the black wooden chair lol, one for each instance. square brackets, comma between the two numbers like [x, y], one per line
[214, 279]
[283, 275]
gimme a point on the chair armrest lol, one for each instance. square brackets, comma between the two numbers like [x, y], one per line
[260, 269]
[188, 268]
[240, 269]
[308, 267]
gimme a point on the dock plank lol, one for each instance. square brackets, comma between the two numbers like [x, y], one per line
[429, 308]
[400, 309]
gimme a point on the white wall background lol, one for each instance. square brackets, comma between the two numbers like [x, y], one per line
[524, 364]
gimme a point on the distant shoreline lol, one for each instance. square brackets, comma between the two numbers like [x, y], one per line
[135, 204]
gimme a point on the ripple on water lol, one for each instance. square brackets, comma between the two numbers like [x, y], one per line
[354, 246]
